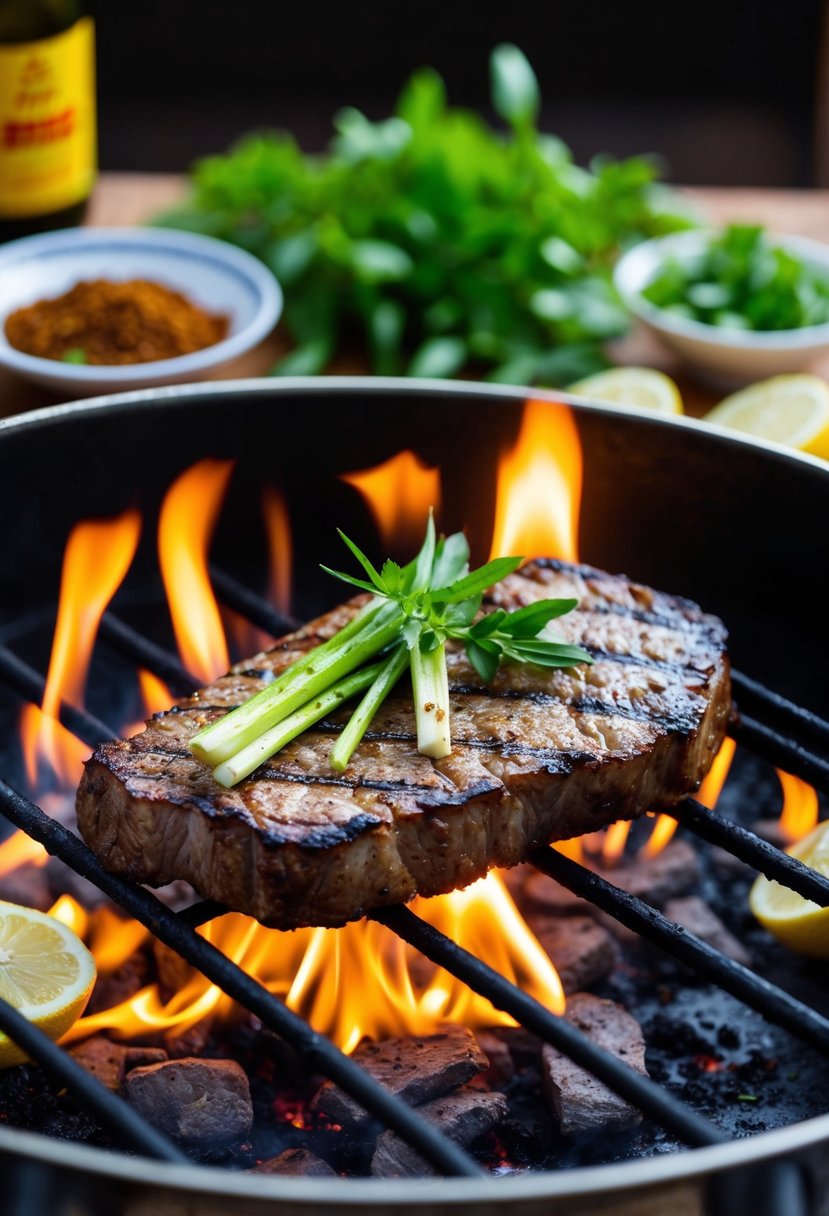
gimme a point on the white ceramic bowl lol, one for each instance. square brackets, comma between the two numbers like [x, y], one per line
[730, 357]
[216, 276]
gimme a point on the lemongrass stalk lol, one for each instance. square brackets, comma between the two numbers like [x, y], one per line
[430, 684]
[358, 723]
[243, 763]
[323, 667]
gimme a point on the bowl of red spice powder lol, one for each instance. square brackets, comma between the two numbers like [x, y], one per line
[97, 310]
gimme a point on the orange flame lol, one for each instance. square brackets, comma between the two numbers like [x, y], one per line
[399, 494]
[800, 808]
[350, 983]
[155, 695]
[280, 547]
[98, 555]
[188, 516]
[539, 486]
[615, 839]
[21, 850]
[708, 795]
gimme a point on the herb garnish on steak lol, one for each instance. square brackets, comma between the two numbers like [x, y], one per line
[538, 755]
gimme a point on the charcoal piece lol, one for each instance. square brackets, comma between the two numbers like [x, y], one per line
[672, 872]
[27, 884]
[461, 1116]
[415, 1068]
[202, 1103]
[108, 1061]
[295, 1163]
[119, 985]
[545, 893]
[172, 970]
[501, 1064]
[181, 1043]
[694, 914]
[581, 950]
[580, 1102]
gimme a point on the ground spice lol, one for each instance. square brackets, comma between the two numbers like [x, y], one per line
[100, 322]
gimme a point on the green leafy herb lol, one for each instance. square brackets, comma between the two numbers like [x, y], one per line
[445, 243]
[414, 610]
[742, 280]
[75, 354]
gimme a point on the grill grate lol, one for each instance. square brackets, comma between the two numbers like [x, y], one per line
[177, 930]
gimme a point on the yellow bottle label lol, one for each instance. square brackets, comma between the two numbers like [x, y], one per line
[47, 122]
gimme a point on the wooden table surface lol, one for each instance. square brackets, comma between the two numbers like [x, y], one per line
[129, 198]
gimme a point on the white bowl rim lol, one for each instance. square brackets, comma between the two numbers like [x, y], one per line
[224, 256]
[814, 252]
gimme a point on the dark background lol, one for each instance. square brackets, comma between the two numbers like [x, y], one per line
[726, 91]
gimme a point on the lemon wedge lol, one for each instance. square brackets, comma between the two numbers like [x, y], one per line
[788, 409]
[798, 923]
[642, 386]
[46, 973]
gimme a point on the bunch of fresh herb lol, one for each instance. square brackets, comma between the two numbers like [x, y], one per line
[413, 611]
[440, 242]
[742, 280]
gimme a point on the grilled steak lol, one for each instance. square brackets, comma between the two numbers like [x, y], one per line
[538, 755]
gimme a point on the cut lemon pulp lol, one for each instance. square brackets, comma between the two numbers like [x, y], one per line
[798, 923]
[46, 973]
[642, 386]
[788, 409]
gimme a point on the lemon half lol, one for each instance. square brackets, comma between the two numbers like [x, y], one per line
[641, 386]
[798, 923]
[793, 410]
[46, 973]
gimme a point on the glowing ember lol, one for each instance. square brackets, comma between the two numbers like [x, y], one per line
[539, 487]
[399, 494]
[98, 555]
[800, 808]
[349, 983]
[280, 547]
[185, 527]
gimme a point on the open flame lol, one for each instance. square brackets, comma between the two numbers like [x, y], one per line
[399, 493]
[280, 547]
[539, 486]
[800, 808]
[349, 983]
[185, 527]
[98, 555]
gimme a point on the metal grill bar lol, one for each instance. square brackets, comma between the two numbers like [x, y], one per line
[248, 604]
[772, 704]
[774, 1004]
[649, 1097]
[782, 751]
[752, 850]
[113, 1112]
[31, 685]
[134, 646]
[320, 1053]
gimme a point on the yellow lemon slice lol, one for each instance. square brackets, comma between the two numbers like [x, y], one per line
[798, 923]
[642, 386]
[788, 409]
[46, 972]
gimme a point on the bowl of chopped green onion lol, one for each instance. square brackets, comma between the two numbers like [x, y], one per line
[737, 305]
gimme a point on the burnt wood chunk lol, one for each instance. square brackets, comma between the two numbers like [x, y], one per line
[545, 893]
[201, 1103]
[695, 915]
[295, 1163]
[670, 873]
[580, 949]
[461, 1116]
[117, 986]
[417, 1069]
[580, 1102]
[108, 1061]
[27, 884]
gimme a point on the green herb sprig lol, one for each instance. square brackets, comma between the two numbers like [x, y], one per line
[414, 610]
[441, 241]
